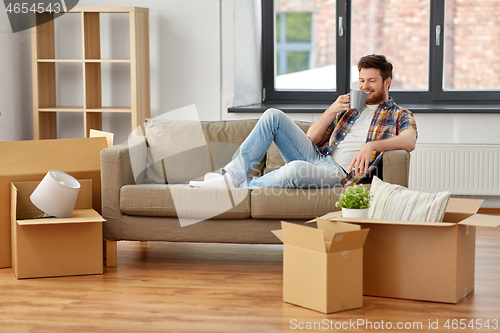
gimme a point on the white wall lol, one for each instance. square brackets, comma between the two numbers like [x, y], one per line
[458, 128]
[185, 66]
[461, 128]
[15, 83]
[184, 54]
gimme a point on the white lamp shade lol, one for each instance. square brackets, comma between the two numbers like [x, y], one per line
[56, 194]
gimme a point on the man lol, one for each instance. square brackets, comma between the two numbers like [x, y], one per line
[342, 147]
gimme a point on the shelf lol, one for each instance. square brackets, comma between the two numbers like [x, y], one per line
[126, 61]
[108, 10]
[80, 58]
[58, 60]
[62, 109]
[111, 109]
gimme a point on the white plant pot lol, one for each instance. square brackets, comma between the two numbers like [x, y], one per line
[357, 213]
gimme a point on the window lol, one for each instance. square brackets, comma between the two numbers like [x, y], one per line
[293, 42]
[400, 31]
[300, 64]
[443, 52]
[472, 45]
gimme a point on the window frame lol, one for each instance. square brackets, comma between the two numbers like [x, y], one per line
[435, 96]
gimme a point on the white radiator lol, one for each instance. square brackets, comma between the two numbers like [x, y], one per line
[462, 169]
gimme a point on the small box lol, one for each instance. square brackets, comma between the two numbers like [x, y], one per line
[426, 261]
[44, 247]
[323, 266]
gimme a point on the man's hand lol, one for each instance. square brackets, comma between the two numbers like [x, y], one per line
[405, 140]
[361, 161]
[340, 104]
[317, 131]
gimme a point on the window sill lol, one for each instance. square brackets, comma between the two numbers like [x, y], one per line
[415, 108]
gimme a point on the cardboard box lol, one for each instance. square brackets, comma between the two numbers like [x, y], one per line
[44, 247]
[31, 160]
[420, 260]
[323, 266]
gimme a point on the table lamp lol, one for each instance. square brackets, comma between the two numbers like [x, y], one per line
[56, 194]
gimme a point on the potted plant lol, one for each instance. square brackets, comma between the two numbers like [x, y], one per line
[354, 201]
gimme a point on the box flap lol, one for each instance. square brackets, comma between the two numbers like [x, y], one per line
[279, 234]
[303, 236]
[13, 202]
[337, 216]
[455, 217]
[330, 228]
[349, 240]
[326, 216]
[100, 134]
[467, 206]
[79, 216]
[480, 220]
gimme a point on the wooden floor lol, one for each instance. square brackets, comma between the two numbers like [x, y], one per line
[165, 287]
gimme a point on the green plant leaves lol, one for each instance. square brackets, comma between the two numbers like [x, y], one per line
[355, 197]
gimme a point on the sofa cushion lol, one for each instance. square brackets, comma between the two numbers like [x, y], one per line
[184, 201]
[275, 203]
[225, 137]
[180, 151]
[177, 152]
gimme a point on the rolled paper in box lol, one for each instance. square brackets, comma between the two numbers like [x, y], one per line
[56, 194]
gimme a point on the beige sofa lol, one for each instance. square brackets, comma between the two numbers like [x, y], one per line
[146, 198]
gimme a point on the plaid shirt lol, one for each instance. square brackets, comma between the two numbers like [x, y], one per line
[388, 121]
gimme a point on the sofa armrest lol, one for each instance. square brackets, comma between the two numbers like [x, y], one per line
[396, 167]
[121, 164]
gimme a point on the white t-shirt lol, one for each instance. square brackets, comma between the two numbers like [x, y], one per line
[355, 139]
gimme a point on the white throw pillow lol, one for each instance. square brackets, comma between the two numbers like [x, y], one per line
[395, 202]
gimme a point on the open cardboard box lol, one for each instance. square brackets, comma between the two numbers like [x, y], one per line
[31, 160]
[44, 247]
[422, 260]
[322, 267]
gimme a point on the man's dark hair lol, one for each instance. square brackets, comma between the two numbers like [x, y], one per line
[376, 61]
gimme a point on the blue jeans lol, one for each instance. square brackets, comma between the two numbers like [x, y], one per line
[305, 167]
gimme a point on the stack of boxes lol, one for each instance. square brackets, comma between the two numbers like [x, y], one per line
[51, 247]
[400, 259]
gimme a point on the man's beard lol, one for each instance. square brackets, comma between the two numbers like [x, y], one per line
[375, 97]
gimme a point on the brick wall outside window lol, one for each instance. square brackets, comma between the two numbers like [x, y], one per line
[400, 30]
